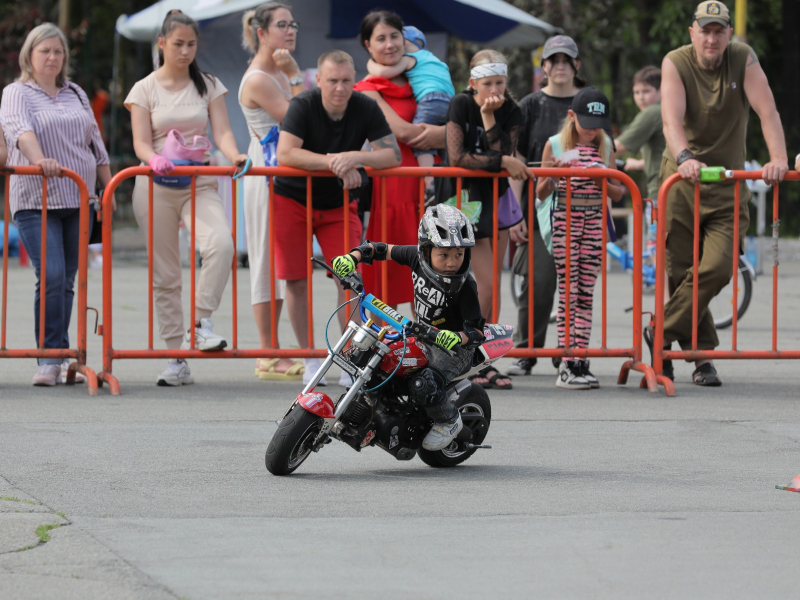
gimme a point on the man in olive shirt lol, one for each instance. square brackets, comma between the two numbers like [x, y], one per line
[645, 131]
[706, 91]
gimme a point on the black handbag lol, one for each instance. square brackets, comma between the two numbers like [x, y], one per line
[95, 229]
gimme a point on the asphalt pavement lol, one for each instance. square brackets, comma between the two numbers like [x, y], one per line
[614, 493]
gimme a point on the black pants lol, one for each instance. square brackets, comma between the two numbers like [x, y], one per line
[545, 283]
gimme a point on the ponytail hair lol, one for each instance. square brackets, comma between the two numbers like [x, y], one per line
[172, 20]
[484, 57]
[258, 18]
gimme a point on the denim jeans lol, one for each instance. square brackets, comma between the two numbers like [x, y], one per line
[432, 109]
[63, 232]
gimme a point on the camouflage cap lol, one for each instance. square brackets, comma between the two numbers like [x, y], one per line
[712, 12]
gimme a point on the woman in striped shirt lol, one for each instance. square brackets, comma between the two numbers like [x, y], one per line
[3, 149]
[49, 123]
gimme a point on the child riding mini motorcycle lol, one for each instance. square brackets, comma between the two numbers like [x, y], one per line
[445, 297]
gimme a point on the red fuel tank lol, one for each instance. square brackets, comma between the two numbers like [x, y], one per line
[416, 357]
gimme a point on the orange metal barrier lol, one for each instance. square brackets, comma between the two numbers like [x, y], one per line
[110, 353]
[79, 352]
[633, 352]
[659, 354]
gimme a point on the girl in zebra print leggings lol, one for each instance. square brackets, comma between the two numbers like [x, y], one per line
[583, 137]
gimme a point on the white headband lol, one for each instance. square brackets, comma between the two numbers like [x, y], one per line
[489, 70]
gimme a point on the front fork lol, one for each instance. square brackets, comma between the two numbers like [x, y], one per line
[340, 345]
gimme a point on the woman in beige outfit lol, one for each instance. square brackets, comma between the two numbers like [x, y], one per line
[180, 96]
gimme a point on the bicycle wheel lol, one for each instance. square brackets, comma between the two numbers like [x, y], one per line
[721, 305]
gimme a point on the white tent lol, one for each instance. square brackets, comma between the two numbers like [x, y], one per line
[220, 51]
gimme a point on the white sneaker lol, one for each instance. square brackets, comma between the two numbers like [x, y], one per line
[79, 377]
[204, 338]
[177, 373]
[47, 375]
[441, 434]
[569, 379]
[312, 366]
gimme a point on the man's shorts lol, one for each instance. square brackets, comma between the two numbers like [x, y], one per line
[291, 260]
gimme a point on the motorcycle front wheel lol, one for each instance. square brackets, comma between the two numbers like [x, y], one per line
[293, 441]
[474, 407]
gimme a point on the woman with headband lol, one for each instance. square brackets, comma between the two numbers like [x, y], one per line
[483, 124]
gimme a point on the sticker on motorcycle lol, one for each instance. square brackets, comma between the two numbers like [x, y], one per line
[387, 310]
[497, 348]
[368, 438]
[393, 441]
[313, 399]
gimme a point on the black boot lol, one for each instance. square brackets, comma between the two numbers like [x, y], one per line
[667, 369]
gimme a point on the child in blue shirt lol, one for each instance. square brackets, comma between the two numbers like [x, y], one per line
[429, 78]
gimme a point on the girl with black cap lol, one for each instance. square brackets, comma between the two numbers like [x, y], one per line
[584, 141]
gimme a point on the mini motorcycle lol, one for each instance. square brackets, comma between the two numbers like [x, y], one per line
[376, 409]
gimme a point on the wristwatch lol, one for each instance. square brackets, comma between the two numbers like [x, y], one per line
[296, 81]
[684, 156]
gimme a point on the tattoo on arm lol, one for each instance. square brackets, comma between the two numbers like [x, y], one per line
[753, 59]
[388, 141]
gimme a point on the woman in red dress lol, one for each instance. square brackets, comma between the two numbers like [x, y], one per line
[382, 36]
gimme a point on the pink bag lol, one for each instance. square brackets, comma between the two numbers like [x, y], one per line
[176, 148]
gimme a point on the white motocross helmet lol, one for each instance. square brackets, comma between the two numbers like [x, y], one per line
[444, 226]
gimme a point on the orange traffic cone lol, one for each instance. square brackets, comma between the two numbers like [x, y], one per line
[794, 486]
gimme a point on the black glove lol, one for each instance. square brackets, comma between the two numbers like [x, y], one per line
[371, 251]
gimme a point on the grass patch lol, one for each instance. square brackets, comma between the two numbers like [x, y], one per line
[62, 515]
[23, 500]
[43, 531]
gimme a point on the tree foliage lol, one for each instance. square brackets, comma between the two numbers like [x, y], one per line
[618, 37]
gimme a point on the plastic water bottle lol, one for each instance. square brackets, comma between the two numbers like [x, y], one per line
[710, 174]
[751, 250]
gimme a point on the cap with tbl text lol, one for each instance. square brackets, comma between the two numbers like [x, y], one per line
[560, 44]
[593, 110]
[712, 12]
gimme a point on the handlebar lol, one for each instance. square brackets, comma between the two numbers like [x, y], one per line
[354, 282]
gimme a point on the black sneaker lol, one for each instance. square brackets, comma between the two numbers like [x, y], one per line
[667, 369]
[587, 374]
[521, 366]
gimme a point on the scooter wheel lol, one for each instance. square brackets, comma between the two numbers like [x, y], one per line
[293, 441]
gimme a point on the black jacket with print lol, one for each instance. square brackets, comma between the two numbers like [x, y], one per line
[460, 312]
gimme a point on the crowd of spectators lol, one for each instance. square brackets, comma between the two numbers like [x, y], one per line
[405, 113]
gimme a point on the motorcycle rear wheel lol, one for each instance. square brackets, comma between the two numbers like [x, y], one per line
[475, 403]
[292, 442]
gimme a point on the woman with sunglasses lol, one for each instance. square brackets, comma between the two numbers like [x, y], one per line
[270, 82]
